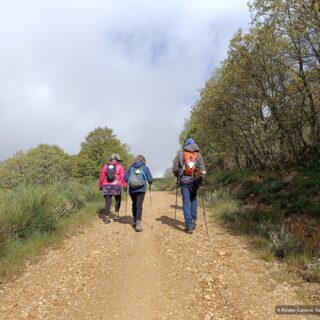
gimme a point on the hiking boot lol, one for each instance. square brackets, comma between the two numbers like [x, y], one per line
[138, 227]
[116, 216]
[189, 231]
[194, 224]
[106, 219]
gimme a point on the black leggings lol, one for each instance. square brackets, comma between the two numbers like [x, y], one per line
[137, 201]
[108, 199]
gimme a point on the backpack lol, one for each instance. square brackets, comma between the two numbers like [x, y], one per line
[137, 178]
[111, 172]
[189, 162]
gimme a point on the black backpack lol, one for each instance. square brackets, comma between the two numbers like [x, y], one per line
[111, 172]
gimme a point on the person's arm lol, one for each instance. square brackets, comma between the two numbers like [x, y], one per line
[148, 174]
[176, 165]
[127, 174]
[122, 173]
[102, 176]
[201, 165]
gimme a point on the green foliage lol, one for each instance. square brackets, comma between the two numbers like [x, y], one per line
[49, 164]
[257, 203]
[167, 183]
[84, 167]
[283, 243]
[295, 191]
[14, 252]
[223, 203]
[275, 66]
[264, 226]
[42, 165]
[13, 170]
[97, 149]
[313, 271]
[26, 210]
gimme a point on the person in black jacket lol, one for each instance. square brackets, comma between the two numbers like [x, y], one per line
[189, 168]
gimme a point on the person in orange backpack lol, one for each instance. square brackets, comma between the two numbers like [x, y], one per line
[110, 182]
[188, 167]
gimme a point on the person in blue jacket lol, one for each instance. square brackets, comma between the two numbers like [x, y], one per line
[136, 177]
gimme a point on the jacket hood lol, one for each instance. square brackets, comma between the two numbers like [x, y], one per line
[191, 148]
[138, 164]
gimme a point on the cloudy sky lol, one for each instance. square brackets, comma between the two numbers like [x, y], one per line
[136, 66]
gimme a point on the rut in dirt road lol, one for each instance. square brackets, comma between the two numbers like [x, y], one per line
[111, 272]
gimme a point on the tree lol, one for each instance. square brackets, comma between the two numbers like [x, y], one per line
[42, 165]
[98, 147]
[47, 164]
[274, 67]
[12, 171]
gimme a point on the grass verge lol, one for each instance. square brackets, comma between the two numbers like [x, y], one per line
[17, 252]
[264, 228]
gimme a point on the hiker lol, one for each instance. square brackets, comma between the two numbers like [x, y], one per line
[110, 182]
[136, 177]
[188, 167]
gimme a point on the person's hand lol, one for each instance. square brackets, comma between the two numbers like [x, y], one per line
[125, 189]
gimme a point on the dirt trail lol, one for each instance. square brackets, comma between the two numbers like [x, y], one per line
[112, 272]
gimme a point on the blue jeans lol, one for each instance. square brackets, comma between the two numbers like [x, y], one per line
[190, 202]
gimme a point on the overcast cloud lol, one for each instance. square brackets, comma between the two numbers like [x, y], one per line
[67, 67]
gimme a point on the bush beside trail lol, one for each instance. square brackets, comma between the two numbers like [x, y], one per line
[34, 212]
[279, 211]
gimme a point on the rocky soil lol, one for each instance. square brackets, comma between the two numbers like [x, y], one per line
[112, 272]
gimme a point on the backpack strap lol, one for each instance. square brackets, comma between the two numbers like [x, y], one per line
[144, 175]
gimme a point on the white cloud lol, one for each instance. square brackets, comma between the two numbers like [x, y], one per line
[70, 66]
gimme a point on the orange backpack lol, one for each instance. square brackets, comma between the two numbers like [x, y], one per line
[190, 162]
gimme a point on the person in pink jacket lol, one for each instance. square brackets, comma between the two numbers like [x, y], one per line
[110, 182]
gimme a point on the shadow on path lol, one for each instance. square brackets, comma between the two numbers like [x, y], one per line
[126, 220]
[176, 224]
[176, 207]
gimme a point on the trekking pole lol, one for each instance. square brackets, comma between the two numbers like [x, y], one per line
[204, 213]
[151, 207]
[127, 200]
[175, 210]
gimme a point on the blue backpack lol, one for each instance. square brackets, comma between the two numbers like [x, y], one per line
[137, 178]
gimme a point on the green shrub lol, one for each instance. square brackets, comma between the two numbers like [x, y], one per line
[164, 184]
[225, 177]
[312, 273]
[26, 210]
[283, 243]
[223, 204]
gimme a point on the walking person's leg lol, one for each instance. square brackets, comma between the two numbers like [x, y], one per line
[140, 199]
[108, 199]
[185, 191]
[117, 207]
[194, 204]
[133, 197]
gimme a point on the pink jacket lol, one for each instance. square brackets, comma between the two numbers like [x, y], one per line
[119, 180]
